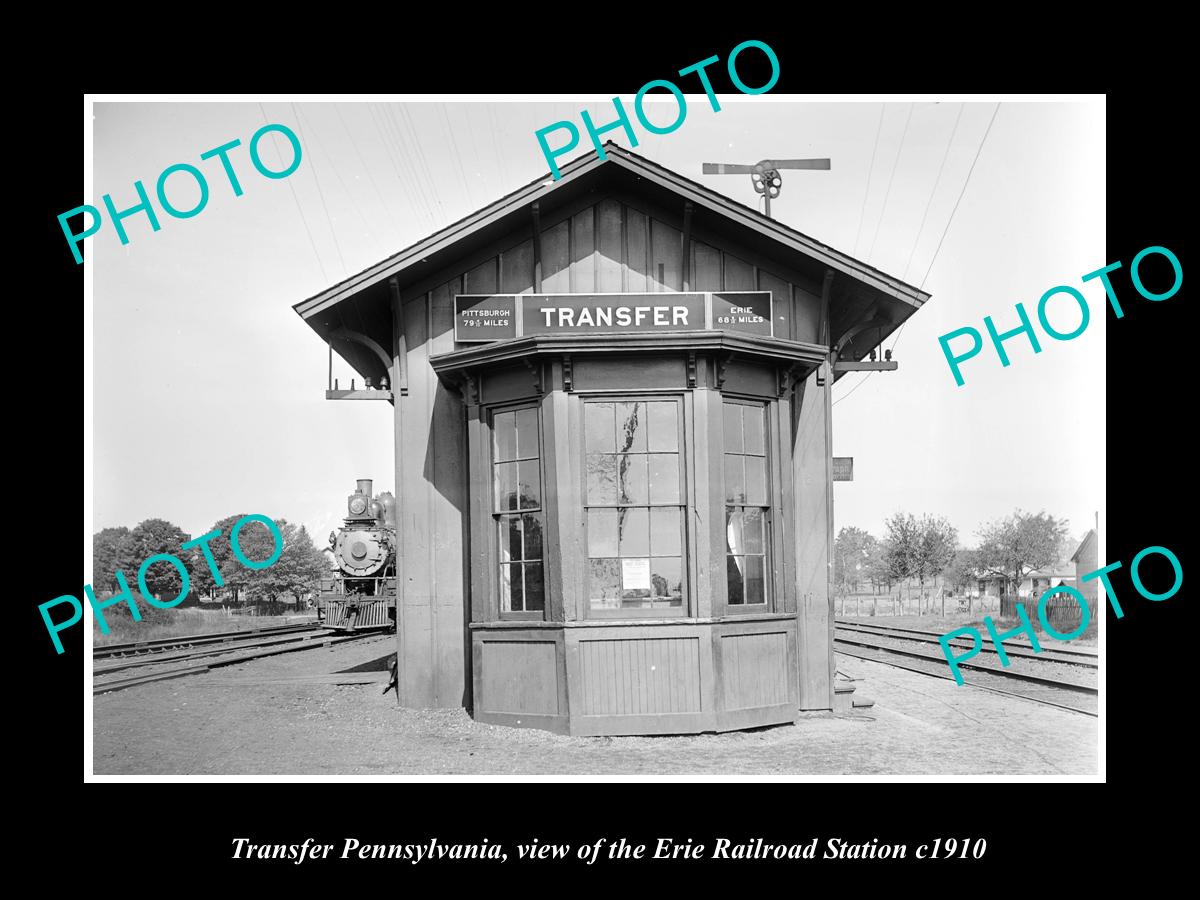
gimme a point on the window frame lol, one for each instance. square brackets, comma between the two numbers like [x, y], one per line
[688, 550]
[495, 516]
[774, 520]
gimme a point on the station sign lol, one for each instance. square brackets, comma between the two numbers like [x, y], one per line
[500, 317]
[843, 468]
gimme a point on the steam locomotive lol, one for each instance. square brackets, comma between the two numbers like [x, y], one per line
[361, 593]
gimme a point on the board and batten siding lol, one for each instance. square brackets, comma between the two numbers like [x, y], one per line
[608, 246]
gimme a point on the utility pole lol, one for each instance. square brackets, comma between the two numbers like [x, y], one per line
[764, 175]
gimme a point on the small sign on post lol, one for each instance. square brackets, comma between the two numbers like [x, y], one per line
[843, 468]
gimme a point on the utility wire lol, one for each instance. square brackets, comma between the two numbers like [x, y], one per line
[496, 143]
[410, 160]
[870, 171]
[388, 210]
[403, 161]
[462, 175]
[299, 208]
[416, 141]
[338, 174]
[321, 194]
[978, 150]
[937, 181]
[891, 178]
[945, 230]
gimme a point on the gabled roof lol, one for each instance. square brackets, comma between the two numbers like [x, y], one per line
[1090, 536]
[578, 169]
[867, 305]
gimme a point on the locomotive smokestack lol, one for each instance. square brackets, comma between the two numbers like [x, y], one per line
[364, 486]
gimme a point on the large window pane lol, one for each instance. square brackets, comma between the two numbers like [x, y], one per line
[535, 591]
[748, 507]
[665, 533]
[634, 496]
[735, 479]
[506, 486]
[531, 487]
[604, 582]
[634, 526]
[756, 480]
[504, 431]
[734, 566]
[600, 432]
[532, 529]
[734, 542]
[631, 470]
[754, 430]
[664, 426]
[753, 530]
[664, 477]
[511, 587]
[754, 580]
[602, 532]
[631, 427]
[517, 499]
[527, 436]
[666, 579]
[733, 428]
[510, 539]
[601, 478]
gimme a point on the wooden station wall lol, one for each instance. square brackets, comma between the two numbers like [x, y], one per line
[601, 245]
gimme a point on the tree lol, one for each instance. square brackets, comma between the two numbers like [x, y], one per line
[297, 571]
[110, 552]
[963, 572]
[851, 556]
[899, 547]
[933, 548]
[151, 537]
[1018, 544]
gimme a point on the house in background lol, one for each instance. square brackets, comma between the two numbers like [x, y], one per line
[1032, 585]
[1086, 560]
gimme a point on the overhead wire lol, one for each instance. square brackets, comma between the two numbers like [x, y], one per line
[338, 174]
[945, 231]
[401, 162]
[462, 177]
[299, 208]
[498, 156]
[321, 194]
[411, 159]
[870, 171]
[416, 141]
[891, 178]
[388, 209]
[937, 181]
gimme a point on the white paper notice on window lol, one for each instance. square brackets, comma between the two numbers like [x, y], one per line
[635, 574]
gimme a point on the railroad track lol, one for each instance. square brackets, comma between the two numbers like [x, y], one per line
[1067, 695]
[1083, 658]
[268, 647]
[164, 645]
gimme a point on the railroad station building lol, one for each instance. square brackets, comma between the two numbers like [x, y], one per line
[613, 450]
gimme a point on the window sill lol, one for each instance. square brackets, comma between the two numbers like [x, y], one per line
[667, 620]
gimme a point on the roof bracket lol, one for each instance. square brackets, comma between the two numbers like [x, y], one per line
[535, 369]
[568, 375]
[722, 365]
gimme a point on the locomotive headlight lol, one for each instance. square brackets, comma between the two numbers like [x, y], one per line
[358, 505]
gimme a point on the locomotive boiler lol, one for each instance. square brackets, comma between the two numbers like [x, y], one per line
[361, 592]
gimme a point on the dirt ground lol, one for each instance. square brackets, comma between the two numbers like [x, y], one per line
[249, 719]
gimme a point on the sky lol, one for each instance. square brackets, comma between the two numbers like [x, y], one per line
[208, 388]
